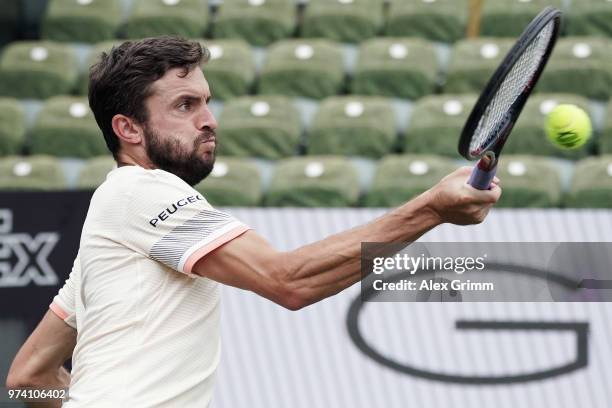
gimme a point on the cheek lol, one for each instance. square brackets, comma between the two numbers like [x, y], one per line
[164, 123]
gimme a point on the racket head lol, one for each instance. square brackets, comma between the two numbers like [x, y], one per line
[504, 97]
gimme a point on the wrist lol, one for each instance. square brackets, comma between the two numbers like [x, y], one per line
[423, 209]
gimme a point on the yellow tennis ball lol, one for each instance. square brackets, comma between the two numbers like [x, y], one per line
[568, 126]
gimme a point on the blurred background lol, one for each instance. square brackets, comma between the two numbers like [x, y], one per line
[342, 108]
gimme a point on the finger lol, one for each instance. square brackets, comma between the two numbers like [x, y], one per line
[464, 170]
[490, 196]
[496, 193]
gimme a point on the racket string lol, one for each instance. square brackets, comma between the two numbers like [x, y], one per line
[519, 79]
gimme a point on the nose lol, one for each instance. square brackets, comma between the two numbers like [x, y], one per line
[206, 119]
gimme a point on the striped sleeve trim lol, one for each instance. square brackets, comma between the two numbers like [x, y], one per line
[204, 228]
[58, 310]
[199, 252]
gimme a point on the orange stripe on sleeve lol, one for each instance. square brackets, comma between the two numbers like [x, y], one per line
[206, 249]
[55, 308]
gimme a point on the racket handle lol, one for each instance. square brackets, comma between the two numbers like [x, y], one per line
[482, 177]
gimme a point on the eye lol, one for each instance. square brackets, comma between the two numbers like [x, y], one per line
[184, 106]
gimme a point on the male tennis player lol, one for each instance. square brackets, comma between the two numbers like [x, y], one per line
[139, 313]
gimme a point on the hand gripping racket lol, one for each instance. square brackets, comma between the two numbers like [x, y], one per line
[504, 97]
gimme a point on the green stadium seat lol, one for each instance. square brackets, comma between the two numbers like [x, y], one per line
[581, 66]
[37, 70]
[508, 18]
[436, 123]
[31, 173]
[233, 182]
[590, 17]
[94, 172]
[313, 182]
[259, 126]
[529, 135]
[605, 142]
[441, 20]
[592, 184]
[306, 68]
[12, 127]
[151, 18]
[260, 22]
[529, 181]
[341, 20]
[353, 126]
[231, 69]
[396, 67]
[87, 21]
[473, 62]
[400, 178]
[66, 128]
[92, 58]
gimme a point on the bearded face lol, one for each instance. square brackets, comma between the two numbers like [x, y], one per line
[192, 162]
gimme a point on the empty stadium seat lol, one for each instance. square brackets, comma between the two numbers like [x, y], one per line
[233, 182]
[92, 58]
[582, 66]
[397, 67]
[12, 127]
[94, 172]
[605, 142]
[353, 126]
[231, 69]
[473, 62]
[31, 173]
[260, 22]
[307, 68]
[590, 17]
[400, 178]
[441, 20]
[436, 123]
[508, 18]
[33, 69]
[87, 21]
[313, 182]
[66, 127]
[150, 18]
[341, 20]
[528, 181]
[592, 184]
[529, 135]
[259, 126]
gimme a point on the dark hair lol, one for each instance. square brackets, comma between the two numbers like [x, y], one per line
[121, 81]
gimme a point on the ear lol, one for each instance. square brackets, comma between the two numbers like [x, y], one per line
[127, 129]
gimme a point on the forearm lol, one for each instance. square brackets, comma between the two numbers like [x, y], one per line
[58, 379]
[326, 267]
[39, 362]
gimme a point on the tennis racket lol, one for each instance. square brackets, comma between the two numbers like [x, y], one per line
[503, 99]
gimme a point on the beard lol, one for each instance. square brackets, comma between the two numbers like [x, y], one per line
[169, 155]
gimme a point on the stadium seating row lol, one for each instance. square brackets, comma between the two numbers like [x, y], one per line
[262, 22]
[272, 127]
[396, 67]
[333, 181]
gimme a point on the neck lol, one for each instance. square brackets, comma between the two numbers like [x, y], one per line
[127, 159]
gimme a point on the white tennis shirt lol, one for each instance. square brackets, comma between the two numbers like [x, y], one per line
[147, 328]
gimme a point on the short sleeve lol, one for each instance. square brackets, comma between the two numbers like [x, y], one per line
[170, 222]
[63, 304]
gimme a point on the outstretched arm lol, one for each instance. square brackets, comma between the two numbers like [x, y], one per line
[39, 362]
[313, 272]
